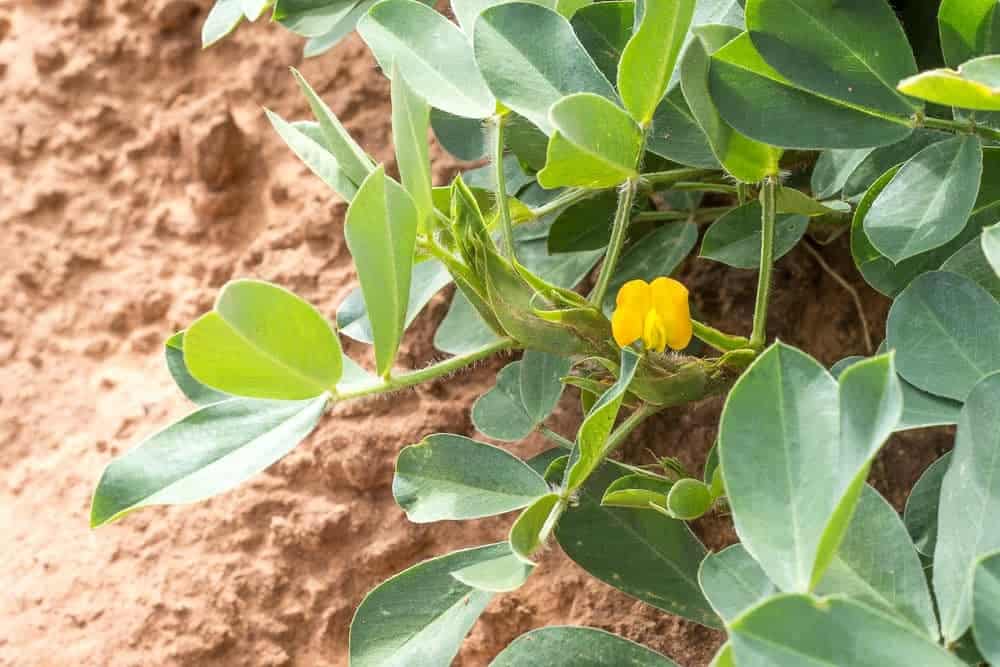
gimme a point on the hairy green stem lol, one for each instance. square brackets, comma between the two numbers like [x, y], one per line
[672, 176]
[721, 188]
[624, 430]
[565, 199]
[957, 126]
[506, 227]
[769, 205]
[698, 215]
[619, 230]
[431, 372]
[567, 444]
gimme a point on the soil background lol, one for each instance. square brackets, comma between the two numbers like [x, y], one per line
[137, 175]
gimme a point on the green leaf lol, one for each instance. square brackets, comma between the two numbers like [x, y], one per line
[733, 581]
[735, 238]
[637, 492]
[929, 200]
[588, 452]
[199, 394]
[498, 575]
[883, 158]
[747, 160]
[351, 158]
[879, 271]
[724, 657]
[531, 58]
[969, 28]
[604, 29]
[527, 530]
[212, 450]
[252, 9]
[562, 270]
[463, 330]
[484, 177]
[676, 136]
[541, 382]
[921, 513]
[315, 155]
[936, 326]
[644, 554]
[465, 138]
[756, 100]
[431, 52]
[991, 246]
[421, 615]
[567, 646]
[222, 19]
[428, 278]
[595, 144]
[262, 341]
[970, 261]
[381, 233]
[970, 503]
[796, 630]
[877, 564]
[688, 499]
[648, 60]
[790, 200]
[451, 477]
[312, 18]
[320, 44]
[852, 51]
[986, 602]
[834, 168]
[974, 85]
[794, 450]
[585, 225]
[526, 141]
[500, 413]
[410, 122]
[656, 254]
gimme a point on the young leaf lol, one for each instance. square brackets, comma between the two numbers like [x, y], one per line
[222, 19]
[991, 246]
[531, 58]
[974, 85]
[450, 477]
[853, 52]
[351, 158]
[315, 155]
[421, 615]
[410, 122]
[733, 581]
[688, 499]
[262, 341]
[595, 144]
[969, 28]
[929, 200]
[877, 564]
[648, 60]
[500, 413]
[794, 450]
[637, 491]
[526, 532]
[735, 238]
[796, 630]
[381, 232]
[644, 554]
[921, 513]
[747, 160]
[756, 100]
[658, 254]
[986, 603]
[936, 325]
[593, 435]
[431, 52]
[502, 574]
[970, 501]
[199, 394]
[567, 646]
[212, 450]
[676, 136]
[428, 278]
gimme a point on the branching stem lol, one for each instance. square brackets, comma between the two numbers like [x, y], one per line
[619, 230]
[769, 201]
[506, 227]
[956, 126]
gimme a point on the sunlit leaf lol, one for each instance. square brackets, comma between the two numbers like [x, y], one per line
[733, 581]
[566, 646]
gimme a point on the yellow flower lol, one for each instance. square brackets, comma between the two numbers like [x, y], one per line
[658, 313]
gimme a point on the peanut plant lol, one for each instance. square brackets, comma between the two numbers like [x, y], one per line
[618, 136]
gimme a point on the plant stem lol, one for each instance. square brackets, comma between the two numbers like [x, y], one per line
[567, 444]
[562, 201]
[431, 372]
[673, 176]
[623, 216]
[721, 188]
[698, 215]
[507, 229]
[768, 200]
[619, 435]
[957, 126]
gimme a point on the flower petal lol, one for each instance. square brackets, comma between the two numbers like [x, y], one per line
[670, 301]
[626, 325]
[635, 295]
[654, 332]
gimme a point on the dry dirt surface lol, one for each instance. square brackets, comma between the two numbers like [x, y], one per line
[137, 175]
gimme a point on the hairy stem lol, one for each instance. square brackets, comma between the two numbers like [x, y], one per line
[624, 430]
[565, 199]
[506, 227]
[698, 215]
[619, 230]
[957, 126]
[674, 176]
[768, 200]
[431, 372]
[721, 188]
